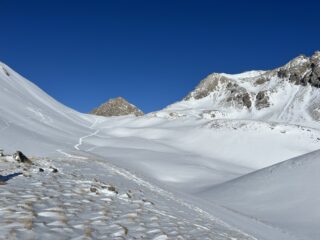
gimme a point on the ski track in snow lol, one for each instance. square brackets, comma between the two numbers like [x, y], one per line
[70, 155]
[77, 146]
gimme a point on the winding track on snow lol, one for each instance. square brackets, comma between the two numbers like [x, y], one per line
[169, 195]
[77, 146]
[164, 193]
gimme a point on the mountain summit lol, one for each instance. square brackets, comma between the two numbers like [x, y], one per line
[117, 107]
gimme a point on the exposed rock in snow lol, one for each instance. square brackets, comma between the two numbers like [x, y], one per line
[117, 107]
[262, 100]
[20, 157]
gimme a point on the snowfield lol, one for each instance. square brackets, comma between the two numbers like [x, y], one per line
[194, 170]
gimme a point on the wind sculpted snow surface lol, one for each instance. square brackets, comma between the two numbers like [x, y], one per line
[164, 167]
[285, 195]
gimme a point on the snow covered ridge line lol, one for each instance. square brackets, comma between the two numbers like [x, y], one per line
[301, 71]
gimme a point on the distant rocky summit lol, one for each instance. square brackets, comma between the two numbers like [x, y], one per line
[117, 107]
[254, 88]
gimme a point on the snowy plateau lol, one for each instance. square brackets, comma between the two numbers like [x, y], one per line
[236, 159]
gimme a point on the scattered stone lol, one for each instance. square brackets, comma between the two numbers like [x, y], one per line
[93, 189]
[112, 189]
[54, 170]
[41, 170]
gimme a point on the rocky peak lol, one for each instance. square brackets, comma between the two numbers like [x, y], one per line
[117, 107]
[301, 70]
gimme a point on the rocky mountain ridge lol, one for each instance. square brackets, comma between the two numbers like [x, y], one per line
[286, 94]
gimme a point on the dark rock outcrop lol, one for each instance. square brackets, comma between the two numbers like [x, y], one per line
[206, 87]
[262, 100]
[282, 73]
[307, 72]
[261, 81]
[239, 95]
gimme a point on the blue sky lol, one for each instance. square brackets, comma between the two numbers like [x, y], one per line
[150, 52]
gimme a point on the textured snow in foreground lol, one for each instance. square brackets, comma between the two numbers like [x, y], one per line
[92, 199]
[171, 161]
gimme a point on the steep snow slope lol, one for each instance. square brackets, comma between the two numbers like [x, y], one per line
[289, 94]
[284, 195]
[32, 120]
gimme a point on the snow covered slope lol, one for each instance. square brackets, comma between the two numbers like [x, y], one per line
[191, 154]
[224, 129]
[88, 197]
[284, 195]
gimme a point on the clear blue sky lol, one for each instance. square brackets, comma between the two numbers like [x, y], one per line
[150, 52]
